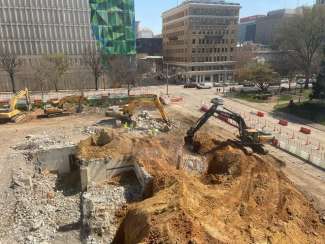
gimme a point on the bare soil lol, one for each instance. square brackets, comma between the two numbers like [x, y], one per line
[243, 198]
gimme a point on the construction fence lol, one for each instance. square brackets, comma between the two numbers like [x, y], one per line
[290, 140]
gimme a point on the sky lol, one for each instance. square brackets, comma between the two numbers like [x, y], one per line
[148, 12]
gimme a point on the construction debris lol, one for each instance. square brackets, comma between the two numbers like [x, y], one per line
[217, 195]
[43, 141]
[43, 210]
[104, 208]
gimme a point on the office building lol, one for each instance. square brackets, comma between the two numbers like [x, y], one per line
[199, 38]
[149, 46]
[37, 27]
[247, 28]
[320, 2]
[267, 27]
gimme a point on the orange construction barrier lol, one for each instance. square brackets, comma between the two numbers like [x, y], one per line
[176, 99]
[204, 108]
[283, 122]
[305, 130]
[260, 114]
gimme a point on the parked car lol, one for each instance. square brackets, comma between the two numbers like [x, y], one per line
[218, 84]
[190, 85]
[204, 85]
[301, 81]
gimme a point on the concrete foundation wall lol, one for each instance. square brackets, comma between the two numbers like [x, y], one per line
[99, 170]
[55, 159]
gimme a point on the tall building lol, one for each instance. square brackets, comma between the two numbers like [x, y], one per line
[320, 2]
[199, 38]
[247, 28]
[267, 27]
[37, 27]
[113, 24]
[145, 33]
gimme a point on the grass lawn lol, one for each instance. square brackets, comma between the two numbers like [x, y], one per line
[249, 97]
[310, 110]
[256, 97]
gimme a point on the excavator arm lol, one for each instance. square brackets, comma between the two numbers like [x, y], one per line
[205, 117]
[136, 102]
[21, 94]
[12, 113]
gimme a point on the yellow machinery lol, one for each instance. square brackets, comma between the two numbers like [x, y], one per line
[13, 114]
[56, 108]
[135, 102]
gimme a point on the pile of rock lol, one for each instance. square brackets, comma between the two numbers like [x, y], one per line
[41, 209]
[103, 209]
[144, 121]
[101, 206]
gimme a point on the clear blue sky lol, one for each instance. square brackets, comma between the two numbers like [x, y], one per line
[149, 11]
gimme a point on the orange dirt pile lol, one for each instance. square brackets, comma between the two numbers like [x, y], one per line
[240, 199]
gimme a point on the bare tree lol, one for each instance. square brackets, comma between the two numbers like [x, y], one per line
[92, 58]
[58, 65]
[285, 65]
[262, 75]
[304, 34]
[10, 62]
[121, 71]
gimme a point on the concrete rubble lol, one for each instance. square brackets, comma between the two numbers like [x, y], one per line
[102, 209]
[43, 141]
[42, 209]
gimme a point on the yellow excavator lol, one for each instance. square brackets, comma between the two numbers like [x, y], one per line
[135, 102]
[56, 108]
[12, 113]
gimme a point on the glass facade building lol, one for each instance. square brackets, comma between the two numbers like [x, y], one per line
[113, 24]
[37, 27]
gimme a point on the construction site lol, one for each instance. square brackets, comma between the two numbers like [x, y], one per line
[151, 169]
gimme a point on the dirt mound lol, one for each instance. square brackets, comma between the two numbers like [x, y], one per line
[240, 199]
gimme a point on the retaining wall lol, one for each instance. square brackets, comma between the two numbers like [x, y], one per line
[56, 159]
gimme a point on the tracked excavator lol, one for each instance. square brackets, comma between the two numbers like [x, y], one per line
[136, 102]
[12, 113]
[56, 108]
[251, 140]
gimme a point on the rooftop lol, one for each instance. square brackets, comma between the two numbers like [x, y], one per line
[205, 2]
[210, 2]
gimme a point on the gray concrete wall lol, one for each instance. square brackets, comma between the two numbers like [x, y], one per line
[55, 159]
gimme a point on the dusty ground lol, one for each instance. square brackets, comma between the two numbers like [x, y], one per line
[11, 160]
[307, 178]
[243, 198]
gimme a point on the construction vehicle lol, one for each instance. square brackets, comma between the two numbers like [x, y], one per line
[250, 139]
[56, 108]
[12, 113]
[135, 102]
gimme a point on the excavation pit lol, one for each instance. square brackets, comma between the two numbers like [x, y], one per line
[57, 159]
